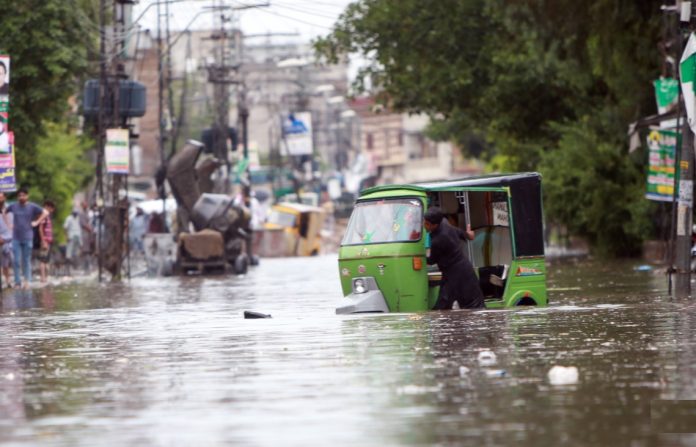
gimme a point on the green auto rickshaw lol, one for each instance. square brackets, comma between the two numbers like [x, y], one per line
[382, 259]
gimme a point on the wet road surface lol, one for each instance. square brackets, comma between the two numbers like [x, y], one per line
[172, 362]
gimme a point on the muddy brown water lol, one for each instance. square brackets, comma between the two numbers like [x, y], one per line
[171, 361]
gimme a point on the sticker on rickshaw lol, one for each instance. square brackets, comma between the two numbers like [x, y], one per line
[526, 271]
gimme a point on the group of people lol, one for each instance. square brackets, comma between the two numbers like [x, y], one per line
[142, 224]
[26, 226]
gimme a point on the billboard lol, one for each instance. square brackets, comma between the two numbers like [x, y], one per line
[297, 134]
[662, 147]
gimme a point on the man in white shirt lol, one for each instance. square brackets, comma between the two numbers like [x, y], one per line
[73, 232]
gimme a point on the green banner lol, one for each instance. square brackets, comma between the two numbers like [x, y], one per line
[662, 146]
[666, 93]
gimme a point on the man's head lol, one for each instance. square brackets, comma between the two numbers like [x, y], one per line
[3, 199]
[84, 205]
[49, 205]
[22, 195]
[139, 211]
[433, 218]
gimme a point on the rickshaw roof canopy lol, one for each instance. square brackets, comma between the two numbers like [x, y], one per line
[525, 199]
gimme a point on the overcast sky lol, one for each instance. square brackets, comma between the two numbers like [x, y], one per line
[308, 18]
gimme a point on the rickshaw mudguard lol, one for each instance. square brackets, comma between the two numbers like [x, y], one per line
[370, 301]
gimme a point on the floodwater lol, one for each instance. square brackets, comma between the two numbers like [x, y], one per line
[172, 362]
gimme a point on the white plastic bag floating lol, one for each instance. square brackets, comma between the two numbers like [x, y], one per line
[563, 375]
[487, 358]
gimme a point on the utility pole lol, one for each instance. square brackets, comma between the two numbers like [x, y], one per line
[682, 202]
[160, 105]
[115, 217]
[221, 76]
[103, 88]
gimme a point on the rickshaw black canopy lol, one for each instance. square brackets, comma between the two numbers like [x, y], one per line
[525, 198]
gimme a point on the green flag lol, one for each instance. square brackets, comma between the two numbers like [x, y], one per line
[687, 73]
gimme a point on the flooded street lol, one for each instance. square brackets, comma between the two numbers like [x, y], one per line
[171, 361]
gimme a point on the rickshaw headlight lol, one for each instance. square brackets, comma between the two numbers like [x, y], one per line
[359, 286]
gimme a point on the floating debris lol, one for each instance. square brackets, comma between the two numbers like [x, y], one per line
[563, 375]
[487, 358]
[495, 373]
[250, 314]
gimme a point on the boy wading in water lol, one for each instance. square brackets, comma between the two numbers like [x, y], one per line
[46, 235]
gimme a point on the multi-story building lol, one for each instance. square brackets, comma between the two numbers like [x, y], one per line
[396, 147]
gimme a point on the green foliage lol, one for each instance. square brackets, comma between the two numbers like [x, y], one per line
[50, 43]
[594, 191]
[62, 169]
[549, 85]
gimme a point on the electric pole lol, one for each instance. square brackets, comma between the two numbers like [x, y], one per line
[682, 203]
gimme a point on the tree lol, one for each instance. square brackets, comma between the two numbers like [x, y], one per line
[530, 77]
[63, 169]
[50, 43]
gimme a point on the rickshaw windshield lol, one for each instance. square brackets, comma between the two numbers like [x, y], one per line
[384, 221]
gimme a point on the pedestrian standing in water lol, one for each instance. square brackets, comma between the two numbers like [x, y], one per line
[459, 281]
[6, 236]
[73, 233]
[88, 238]
[46, 236]
[26, 215]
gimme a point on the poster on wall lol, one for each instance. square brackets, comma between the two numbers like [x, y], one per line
[662, 145]
[8, 182]
[4, 83]
[117, 152]
[4, 134]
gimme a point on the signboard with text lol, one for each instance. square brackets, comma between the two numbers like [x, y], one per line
[662, 146]
[297, 134]
[116, 151]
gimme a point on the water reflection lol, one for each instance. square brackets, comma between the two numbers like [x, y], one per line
[172, 362]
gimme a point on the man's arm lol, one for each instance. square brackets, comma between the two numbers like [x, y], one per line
[465, 235]
[42, 235]
[84, 223]
[435, 251]
[469, 232]
[42, 217]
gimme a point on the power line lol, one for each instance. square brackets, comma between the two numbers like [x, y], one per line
[293, 18]
[305, 11]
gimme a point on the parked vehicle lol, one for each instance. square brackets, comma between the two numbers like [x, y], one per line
[382, 259]
[292, 229]
[212, 231]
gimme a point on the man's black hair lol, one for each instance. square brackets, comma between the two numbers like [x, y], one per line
[434, 215]
[50, 203]
[23, 190]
